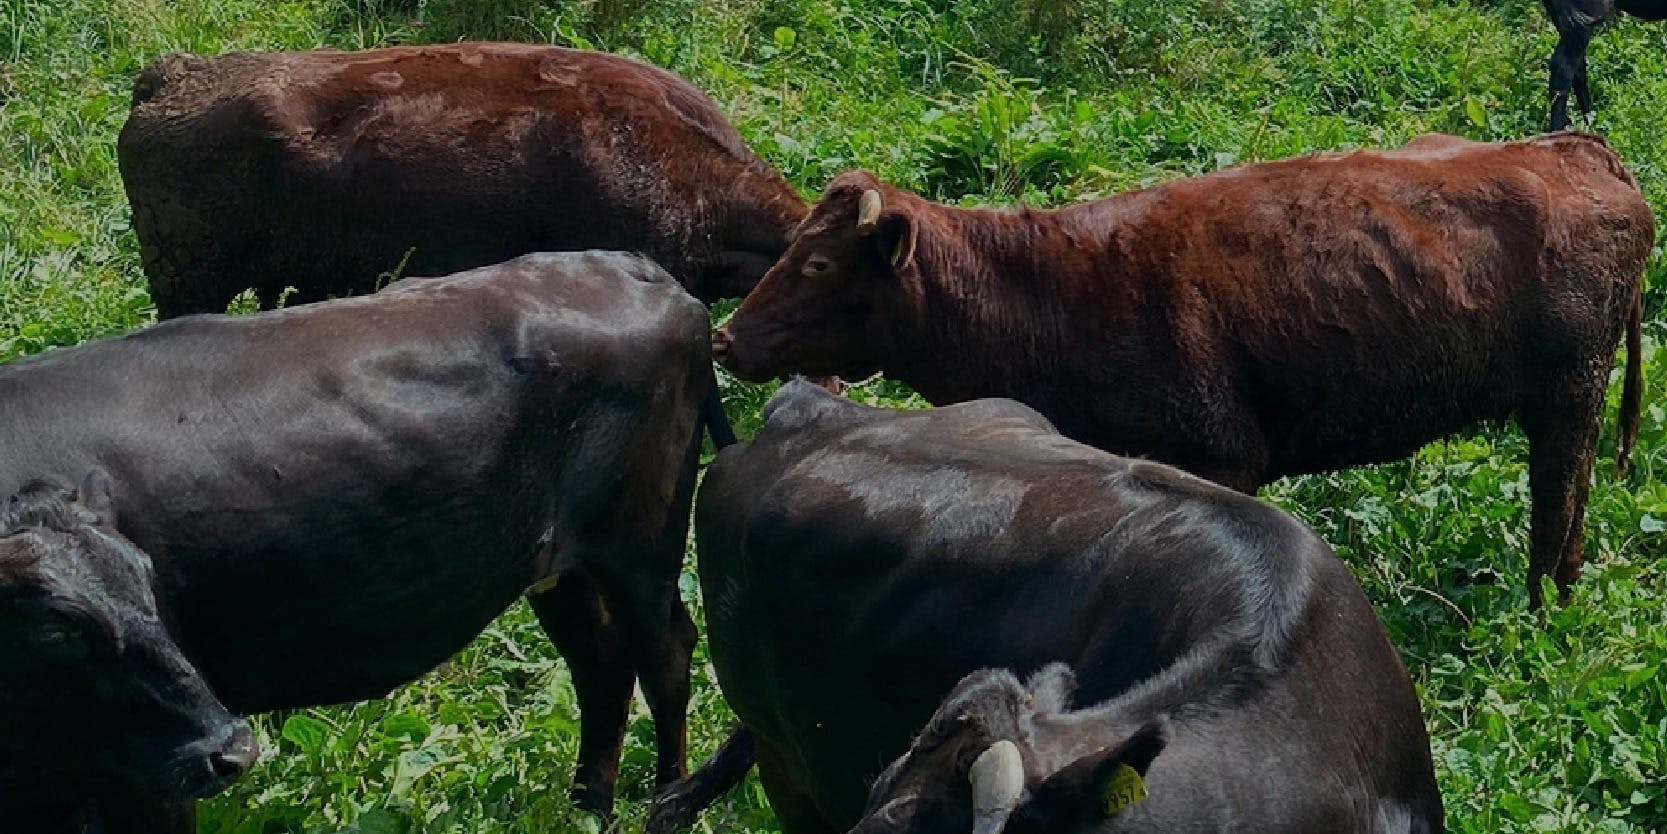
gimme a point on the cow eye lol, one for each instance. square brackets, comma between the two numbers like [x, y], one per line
[817, 265]
[59, 641]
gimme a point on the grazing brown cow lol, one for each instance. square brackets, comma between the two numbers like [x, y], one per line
[323, 170]
[1270, 320]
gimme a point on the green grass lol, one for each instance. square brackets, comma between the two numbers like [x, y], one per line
[1561, 728]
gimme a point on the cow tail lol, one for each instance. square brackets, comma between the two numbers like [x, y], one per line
[712, 414]
[1632, 390]
[679, 805]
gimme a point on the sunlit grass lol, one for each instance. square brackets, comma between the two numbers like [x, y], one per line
[1554, 729]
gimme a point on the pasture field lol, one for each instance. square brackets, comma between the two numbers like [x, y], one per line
[1554, 729]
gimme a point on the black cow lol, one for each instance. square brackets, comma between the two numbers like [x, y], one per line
[92, 676]
[338, 497]
[1576, 20]
[858, 562]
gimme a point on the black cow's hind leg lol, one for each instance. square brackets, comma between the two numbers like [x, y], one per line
[1583, 92]
[1562, 428]
[578, 621]
[1568, 66]
[661, 638]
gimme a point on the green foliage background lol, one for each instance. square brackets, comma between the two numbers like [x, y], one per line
[1561, 728]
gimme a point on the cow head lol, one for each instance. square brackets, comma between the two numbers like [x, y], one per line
[981, 767]
[834, 303]
[99, 693]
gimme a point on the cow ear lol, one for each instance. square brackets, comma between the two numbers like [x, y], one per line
[1051, 689]
[1096, 787]
[894, 238]
[95, 495]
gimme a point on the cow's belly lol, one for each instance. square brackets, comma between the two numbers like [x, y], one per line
[1321, 434]
[281, 629]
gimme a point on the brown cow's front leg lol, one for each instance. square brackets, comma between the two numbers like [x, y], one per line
[1562, 430]
[578, 621]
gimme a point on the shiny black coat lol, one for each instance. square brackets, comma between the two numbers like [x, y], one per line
[338, 497]
[858, 562]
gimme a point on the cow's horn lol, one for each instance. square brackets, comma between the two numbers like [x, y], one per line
[998, 780]
[868, 212]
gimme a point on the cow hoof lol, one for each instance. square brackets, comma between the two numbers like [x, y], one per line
[674, 809]
[596, 803]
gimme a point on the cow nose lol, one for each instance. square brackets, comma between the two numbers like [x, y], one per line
[720, 344]
[237, 756]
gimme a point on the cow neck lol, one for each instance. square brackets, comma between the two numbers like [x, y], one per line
[767, 209]
[987, 315]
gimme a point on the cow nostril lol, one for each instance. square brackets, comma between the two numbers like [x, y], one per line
[230, 764]
[237, 757]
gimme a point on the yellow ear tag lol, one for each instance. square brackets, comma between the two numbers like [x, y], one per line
[1124, 788]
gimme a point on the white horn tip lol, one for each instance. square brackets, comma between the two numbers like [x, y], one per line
[868, 211]
[998, 778]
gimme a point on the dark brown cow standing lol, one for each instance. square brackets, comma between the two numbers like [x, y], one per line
[1270, 320]
[322, 170]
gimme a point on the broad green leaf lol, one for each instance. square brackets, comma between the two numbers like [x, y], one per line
[1478, 114]
[306, 732]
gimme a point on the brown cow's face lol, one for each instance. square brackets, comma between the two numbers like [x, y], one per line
[833, 303]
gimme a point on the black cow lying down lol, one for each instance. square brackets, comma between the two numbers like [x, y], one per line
[329, 501]
[857, 563]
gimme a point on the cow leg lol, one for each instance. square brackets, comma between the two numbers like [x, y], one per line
[795, 811]
[659, 641]
[578, 621]
[1583, 91]
[1562, 430]
[1568, 64]
[661, 638]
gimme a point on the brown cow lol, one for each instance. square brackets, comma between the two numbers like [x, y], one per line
[1270, 320]
[323, 170]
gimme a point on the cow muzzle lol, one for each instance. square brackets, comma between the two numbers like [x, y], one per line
[236, 756]
[208, 767]
[721, 344]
